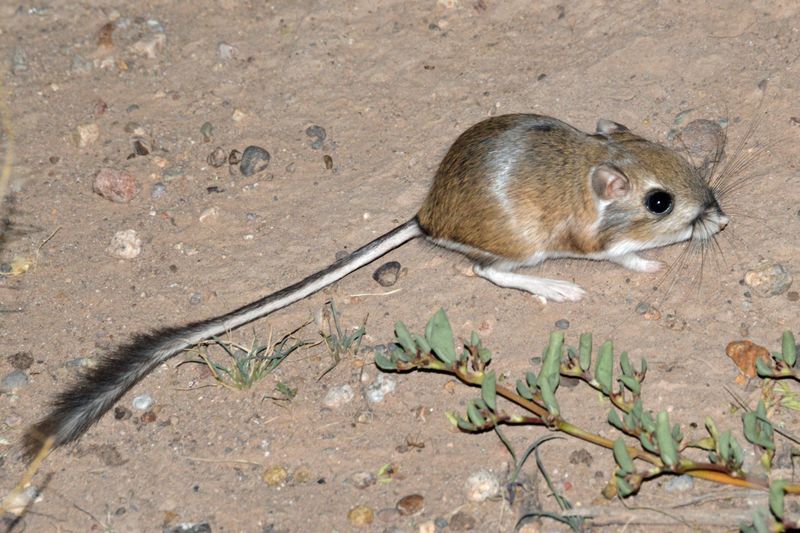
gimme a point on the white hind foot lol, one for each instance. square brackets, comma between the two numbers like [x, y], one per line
[548, 289]
[632, 261]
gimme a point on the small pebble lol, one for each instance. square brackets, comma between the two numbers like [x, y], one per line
[642, 308]
[383, 385]
[235, 157]
[188, 527]
[703, 138]
[226, 52]
[328, 160]
[21, 360]
[115, 185]
[319, 135]
[290, 168]
[131, 108]
[19, 61]
[142, 402]
[218, 157]
[149, 46]
[207, 130]
[172, 173]
[411, 505]
[338, 396]
[140, 148]
[14, 380]
[562, 324]
[793, 296]
[125, 244]
[652, 314]
[254, 160]
[86, 134]
[482, 485]
[122, 413]
[462, 521]
[386, 275]
[388, 515]
[440, 522]
[341, 254]
[134, 128]
[362, 480]
[769, 280]
[679, 484]
[195, 298]
[361, 515]
[275, 476]
[209, 214]
[158, 190]
[82, 362]
[238, 115]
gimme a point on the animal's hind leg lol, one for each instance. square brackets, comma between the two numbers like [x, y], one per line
[549, 289]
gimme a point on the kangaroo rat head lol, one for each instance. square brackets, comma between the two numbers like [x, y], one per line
[646, 195]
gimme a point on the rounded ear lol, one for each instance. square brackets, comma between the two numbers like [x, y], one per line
[609, 183]
[607, 127]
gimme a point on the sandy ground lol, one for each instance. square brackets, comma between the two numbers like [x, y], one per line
[392, 83]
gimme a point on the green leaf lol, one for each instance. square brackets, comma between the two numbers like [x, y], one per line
[530, 377]
[489, 390]
[776, 493]
[474, 414]
[631, 383]
[523, 390]
[585, 351]
[648, 424]
[474, 340]
[464, 425]
[384, 363]
[440, 337]
[788, 348]
[624, 488]
[485, 355]
[404, 337]
[625, 364]
[666, 446]
[604, 370]
[738, 453]
[551, 366]
[711, 427]
[421, 343]
[725, 445]
[677, 435]
[647, 444]
[614, 420]
[549, 398]
[763, 369]
[622, 457]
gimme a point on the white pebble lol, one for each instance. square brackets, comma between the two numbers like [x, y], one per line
[125, 244]
[338, 396]
[382, 386]
[482, 485]
[143, 402]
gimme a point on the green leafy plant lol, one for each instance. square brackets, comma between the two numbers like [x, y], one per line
[248, 364]
[648, 446]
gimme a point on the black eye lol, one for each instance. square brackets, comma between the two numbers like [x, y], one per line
[658, 202]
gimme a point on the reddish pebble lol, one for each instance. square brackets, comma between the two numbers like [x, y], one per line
[115, 185]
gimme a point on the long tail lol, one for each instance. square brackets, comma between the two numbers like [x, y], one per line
[76, 409]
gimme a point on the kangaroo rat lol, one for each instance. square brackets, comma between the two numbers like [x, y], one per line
[511, 191]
